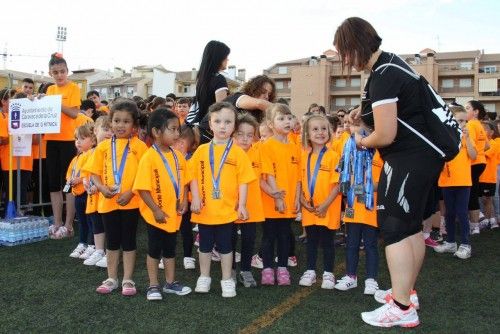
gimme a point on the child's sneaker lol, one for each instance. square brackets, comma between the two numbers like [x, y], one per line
[102, 263]
[107, 286]
[257, 262]
[197, 240]
[308, 278]
[493, 223]
[371, 286]
[292, 261]
[474, 228]
[246, 278]
[390, 315]
[176, 288]
[346, 283]
[283, 276]
[228, 288]
[189, 263]
[446, 247]
[94, 258]
[196, 229]
[215, 256]
[128, 288]
[88, 252]
[52, 230]
[237, 257]
[463, 252]
[267, 276]
[385, 296]
[161, 265]
[429, 242]
[328, 281]
[203, 284]
[79, 250]
[154, 293]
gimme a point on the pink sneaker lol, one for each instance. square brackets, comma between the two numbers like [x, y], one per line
[267, 277]
[429, 242]
[283, 276]
[197, 240]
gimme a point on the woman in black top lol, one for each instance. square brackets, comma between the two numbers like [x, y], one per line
[211, 86]
[410, 165]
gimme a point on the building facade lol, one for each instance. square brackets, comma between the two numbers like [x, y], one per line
[457, 76]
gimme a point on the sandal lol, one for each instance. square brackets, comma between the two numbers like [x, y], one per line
[107, 286]
[61, 233]
[128, 288]
[52, 230]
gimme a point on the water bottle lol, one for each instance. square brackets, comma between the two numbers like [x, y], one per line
[3, 229]
[11, 236]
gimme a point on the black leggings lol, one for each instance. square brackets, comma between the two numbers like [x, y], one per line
[121, 229]
[476, 171]
[248, 231]
[317, 235]
[276, 230]
[187, 234]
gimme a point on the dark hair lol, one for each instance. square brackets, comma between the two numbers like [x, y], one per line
[57, 58]
[184, 100]
[282, 101]
[213, 55]
[155, 103]
[334, 122]
[88, 104]
[20, 96]
[313, 105]
[43, 87]
[172, 96]
[248, 119]
[124, 104]
[169, 99]
[253, 87]
[93, 92]
[28, 80]
[149, 98]
[476, 105]
[218, 106]
[493, 127]
[322, 110]
[159, 120]
[143, 119]
[192, 134]
[104, 102]
[356, 40]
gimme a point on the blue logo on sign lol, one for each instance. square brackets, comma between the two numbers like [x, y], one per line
[15, 116]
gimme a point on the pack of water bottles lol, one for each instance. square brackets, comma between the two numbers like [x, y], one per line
[23, 230]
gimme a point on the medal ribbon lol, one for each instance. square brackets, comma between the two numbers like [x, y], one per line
[311, 182]
[117, 174]
[216, 179]
[175, 183]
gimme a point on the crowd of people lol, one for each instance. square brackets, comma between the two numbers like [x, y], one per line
[228, 164]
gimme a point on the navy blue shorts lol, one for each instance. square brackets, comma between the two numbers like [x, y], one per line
[220, 235]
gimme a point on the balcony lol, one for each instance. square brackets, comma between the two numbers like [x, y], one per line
[456, 69]
[456, 90]
[490, 96]
[336, 91]
[284, 91]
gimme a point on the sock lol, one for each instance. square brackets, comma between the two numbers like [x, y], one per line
[401, 306]
[426, 235]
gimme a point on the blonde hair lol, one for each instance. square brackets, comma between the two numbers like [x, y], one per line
[275, 109]
[102, 122]
[306, 142]
[246, 118]
[86, 131]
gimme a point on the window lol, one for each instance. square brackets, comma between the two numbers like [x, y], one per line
[490, 107]
[282, 70]
[116, 91]
[340, 101]
[130, 91]
[489, 69]
[465, 83]
[355, 101]
[447, 83]
[355, 82]
[186, 89]
[340, 83]
[279, 85]
[466, 65]
[179, 89]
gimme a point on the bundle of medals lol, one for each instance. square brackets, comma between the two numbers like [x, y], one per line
[356, 182]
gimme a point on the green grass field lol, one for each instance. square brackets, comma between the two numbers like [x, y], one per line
[43, 290]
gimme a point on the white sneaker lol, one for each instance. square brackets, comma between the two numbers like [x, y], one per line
[237, 257]
[371, 286]
[257, 262]
[195, 228]
[299, 217]
[474, 228]
[308, 278]
[493, 223]
[161, 265]
[215, 256]
[291, 262]
[203, 284]
[228, 288]
[385, 296]
[189, 263]
[484, 224]
[94, 258]
[328, 281]
[446, 247]
[390, 315]
[102, 263]
[78, 251]
[88, 252]
[346, 283]
[463, 252]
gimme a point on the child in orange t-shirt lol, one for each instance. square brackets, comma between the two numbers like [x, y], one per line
[162, 188]
[84, 141]
[244, 137]
[113, 167]
[60, 146]
[282, 204]
[488, 179]
[221, 174]
[182, 108]
[320, 198]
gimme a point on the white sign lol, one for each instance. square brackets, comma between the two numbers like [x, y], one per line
[21, 145]
[37, 116]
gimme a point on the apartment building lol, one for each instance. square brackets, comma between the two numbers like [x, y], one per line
[457, 76]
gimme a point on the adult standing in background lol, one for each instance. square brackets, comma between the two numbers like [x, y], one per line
[211, 86]
[405, 182]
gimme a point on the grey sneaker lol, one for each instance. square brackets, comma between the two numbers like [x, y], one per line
[154, 293]
[463, 252]
[446, 247]
[176, 288]
[246, 278]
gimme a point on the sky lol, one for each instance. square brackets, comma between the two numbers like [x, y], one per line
[104, 34]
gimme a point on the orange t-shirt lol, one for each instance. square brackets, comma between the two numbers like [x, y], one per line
[338, 144]
[255, 207]
[326, 180]
[361, 214]
[82, 119]
[283, 159]
[101, 164]
[155, 179]
[26, 163]
[457, 173]
[478, 137]
[490, 172]
[74, 170]
[70, 99]
[35, 149]
[91, 199]
[237, 170]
